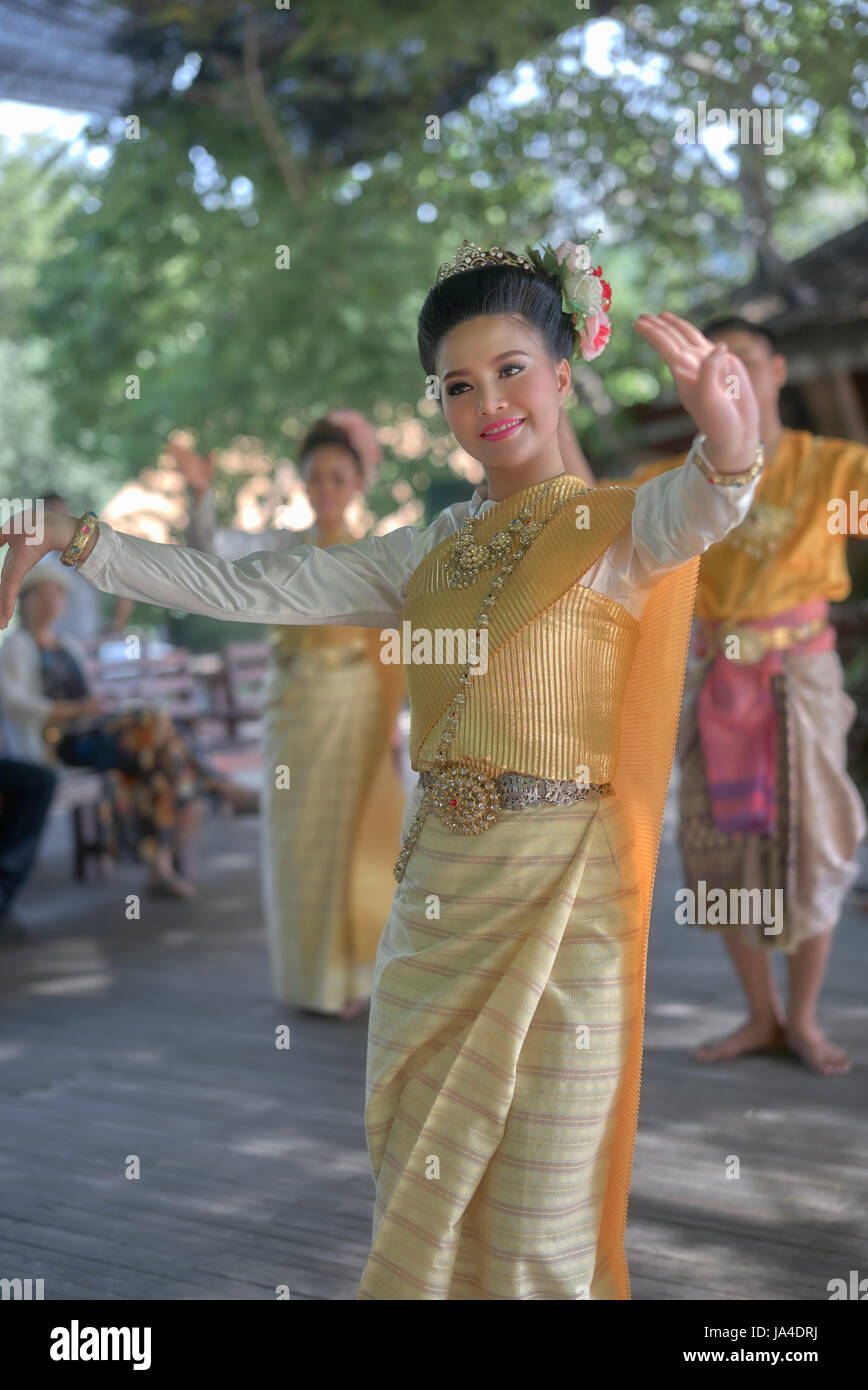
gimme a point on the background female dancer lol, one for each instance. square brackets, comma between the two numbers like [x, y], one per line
[505, 1038]
[329, 713]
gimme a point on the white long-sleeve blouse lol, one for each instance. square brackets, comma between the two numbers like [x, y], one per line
[24, 708]
[676, 516]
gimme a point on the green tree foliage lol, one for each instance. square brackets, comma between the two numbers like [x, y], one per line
[35, 454]
[316, 130]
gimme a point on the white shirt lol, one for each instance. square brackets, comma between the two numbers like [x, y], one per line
[676, 515]
[24, 708]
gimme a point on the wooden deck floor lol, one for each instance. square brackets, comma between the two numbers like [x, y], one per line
[156, 1039]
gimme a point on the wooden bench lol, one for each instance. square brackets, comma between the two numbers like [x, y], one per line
[166, 683]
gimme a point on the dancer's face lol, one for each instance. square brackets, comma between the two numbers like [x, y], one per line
[495, 369]
[332, 481]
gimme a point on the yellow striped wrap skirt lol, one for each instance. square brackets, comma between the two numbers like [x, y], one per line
[331, 837]
[508, 998]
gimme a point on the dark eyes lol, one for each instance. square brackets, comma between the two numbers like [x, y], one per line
[453, 389]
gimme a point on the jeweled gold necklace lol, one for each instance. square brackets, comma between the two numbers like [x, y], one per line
[466, 799]
[469, 558]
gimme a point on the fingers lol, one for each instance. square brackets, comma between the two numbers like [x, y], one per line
[17, 561]
[688, 330]
[662, 338]
[4, 574]
[678, 332]
[659, 330]
[712, 382]
[8, 593]
[678, 354]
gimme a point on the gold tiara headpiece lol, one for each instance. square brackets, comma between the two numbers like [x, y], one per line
[472, 257]
[585, 296]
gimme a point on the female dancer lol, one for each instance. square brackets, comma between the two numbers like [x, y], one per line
[505, 1036]
[330, 707]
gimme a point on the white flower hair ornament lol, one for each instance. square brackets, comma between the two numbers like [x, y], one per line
[585, 295]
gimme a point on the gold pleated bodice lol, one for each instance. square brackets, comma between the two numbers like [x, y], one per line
[559, 654]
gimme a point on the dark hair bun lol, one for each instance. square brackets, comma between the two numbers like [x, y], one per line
[326, 432]
[530, 294]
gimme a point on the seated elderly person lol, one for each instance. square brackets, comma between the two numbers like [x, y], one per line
[51, 716]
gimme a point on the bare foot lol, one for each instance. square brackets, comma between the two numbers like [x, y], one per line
[812, 1047]
[353, 1008]
[757, 1035]
[170, 886]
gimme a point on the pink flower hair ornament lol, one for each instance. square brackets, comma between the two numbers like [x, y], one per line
[362, 436]
[585, 295]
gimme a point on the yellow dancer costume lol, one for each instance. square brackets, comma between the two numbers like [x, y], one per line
[506, 1025]
[505, 1038]
[783, 555]
[330, 709]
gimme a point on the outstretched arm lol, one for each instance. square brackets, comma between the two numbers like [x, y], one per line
[231, 543]
[362, 584]
[204, 531]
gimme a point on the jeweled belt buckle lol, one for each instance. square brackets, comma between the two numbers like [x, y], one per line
[467, 801]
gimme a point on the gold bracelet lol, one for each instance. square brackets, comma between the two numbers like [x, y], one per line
[72, 553]
[697, 453]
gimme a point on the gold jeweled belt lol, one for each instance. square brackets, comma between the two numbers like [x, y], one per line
[467, 800]
[755, 642]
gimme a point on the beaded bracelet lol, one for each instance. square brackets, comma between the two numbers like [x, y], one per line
[697, 453]
[72, 553]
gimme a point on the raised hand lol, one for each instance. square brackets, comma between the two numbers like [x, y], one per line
[196, 468]
[27, 539]
[713, 386]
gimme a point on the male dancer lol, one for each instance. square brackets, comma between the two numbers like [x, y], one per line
[765, 797]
